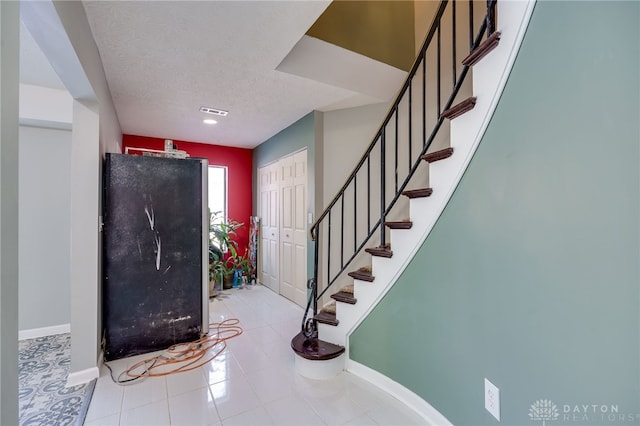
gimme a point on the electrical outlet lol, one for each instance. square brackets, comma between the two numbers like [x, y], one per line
[492, 399]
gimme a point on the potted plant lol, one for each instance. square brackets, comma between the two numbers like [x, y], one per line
[222, 240]
[216, 269]
[238, 266]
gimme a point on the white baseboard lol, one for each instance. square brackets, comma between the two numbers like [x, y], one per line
[420, 406]
[34, 333]
[100, 360]
[83, 376]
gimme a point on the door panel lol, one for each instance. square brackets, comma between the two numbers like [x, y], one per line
[300, 229]
[287, 285]
[283, 210]
[268, 209]
[293, 233]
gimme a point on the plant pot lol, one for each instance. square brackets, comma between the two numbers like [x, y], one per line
[228, 281]
[212, 289]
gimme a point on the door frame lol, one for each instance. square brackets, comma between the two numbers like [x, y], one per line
[259, 210]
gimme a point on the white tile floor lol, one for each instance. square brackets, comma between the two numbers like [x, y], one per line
[251, 383]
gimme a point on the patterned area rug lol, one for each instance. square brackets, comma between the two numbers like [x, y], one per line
[43, 398]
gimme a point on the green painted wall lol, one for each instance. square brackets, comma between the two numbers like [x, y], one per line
[296, 137]
[531, 275]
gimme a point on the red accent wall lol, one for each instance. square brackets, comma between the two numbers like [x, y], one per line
[239, 170]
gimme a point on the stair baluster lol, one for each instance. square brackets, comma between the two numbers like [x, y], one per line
[333, 259]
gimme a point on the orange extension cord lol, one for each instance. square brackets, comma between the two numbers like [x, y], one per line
[183, 356]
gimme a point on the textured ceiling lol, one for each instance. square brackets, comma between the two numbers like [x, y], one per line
[165, 59]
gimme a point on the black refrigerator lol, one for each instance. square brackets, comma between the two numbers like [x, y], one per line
[155, 253]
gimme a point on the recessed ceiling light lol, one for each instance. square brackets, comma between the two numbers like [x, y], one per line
[214, 111]
[209, 121]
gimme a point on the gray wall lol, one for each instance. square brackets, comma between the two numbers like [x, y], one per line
[44, 227]
[9, 39]
[530, 278]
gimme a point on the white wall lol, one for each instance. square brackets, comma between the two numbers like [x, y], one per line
[346, 134]
[45, 107]
[85, 254]
[44, 227]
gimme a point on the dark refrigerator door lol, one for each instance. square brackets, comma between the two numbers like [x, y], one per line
[152, 289]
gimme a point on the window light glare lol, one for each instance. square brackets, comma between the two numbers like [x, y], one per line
[209, 121]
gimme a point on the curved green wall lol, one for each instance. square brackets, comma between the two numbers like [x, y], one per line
[530, 277]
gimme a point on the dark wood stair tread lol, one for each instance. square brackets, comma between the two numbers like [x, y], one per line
[362, 275]
[343, 296]
[403, 224]
[418, 193]
[379, 251]
[315, 349]
[459, 109]
[481, 51]
[326, 318]
[438, 155]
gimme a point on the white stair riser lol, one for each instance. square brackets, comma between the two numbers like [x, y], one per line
[365, 292]
[335, 334]
[319, 370]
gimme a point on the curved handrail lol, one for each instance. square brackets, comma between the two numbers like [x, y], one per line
[487, 25]
[387, 118]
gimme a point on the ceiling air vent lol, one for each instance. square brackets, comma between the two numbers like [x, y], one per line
[214, 111]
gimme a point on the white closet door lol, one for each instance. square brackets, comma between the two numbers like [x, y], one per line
[293, 229]
[269, 219]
